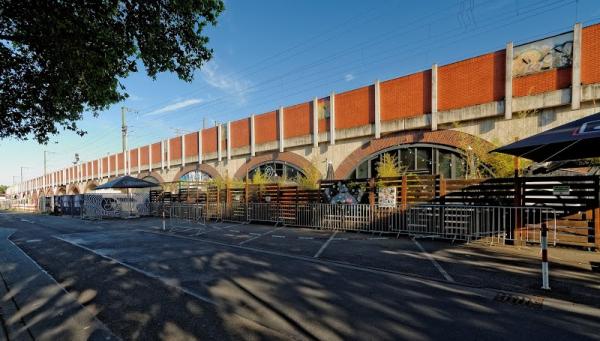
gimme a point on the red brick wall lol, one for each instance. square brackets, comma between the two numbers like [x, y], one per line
[406, 96]
[240, 133]
[95, 168]
[473, 81]
[266, 127]
[144, 158]
[209, 140]
[538, 83]
[297, 120]
[134, 158]
[121, 161]
[191, 144]
[156, 152]
[590, 54]
[175, 148]
[354, 108]
[113, 164]
[104, 165]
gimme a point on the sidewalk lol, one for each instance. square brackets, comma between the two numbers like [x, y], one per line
[34, 306]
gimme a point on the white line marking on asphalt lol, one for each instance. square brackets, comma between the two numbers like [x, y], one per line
[435, 263]
[277, 236]
[340, 238]
[236, 231]
[324, 246]
[260, 235]
[306, 237]
[378, 238]
[166, 281]
[229, 234]
[254, 234]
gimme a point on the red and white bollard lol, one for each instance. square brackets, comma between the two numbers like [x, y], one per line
[544, 242]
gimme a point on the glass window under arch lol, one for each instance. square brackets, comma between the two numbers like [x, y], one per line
[277, 171]
[195, 176]
[417, 159]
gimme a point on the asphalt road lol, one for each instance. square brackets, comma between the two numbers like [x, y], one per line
[229, 281]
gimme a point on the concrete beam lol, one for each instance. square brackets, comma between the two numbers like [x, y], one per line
[200, 146]
[434, 96]
[182, 150]
[228, 140]
[576, 69]
[315, 121]
[508, 78]
[219, 145]
[377, 103]
[280, 123]
[332, 118]
[252, 136]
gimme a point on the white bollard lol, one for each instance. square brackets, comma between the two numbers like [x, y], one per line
[163, 221]
[544, 242]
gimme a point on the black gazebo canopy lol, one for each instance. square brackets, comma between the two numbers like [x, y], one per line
[579, 139]
[127, 182]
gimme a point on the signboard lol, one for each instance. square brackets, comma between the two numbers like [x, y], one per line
[387, 197]
[561, 190]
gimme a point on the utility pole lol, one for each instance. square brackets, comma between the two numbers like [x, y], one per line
[123, 129]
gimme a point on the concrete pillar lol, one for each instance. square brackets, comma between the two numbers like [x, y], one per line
[139, 160]
[219, 144]
[228, 140]
[168, 153]
[200, 146]
[280, 122]
[377, 102]
[315, 120]
[508, 78]
[332, 118]
[434, 96]
[252, 136]
[149, 158]
[576, 70]
[162, 154]
[182, 150]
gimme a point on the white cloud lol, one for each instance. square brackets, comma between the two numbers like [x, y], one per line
[224, 82]
[348, 77]
[175, 106]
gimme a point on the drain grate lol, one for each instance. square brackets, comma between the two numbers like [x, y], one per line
[526, 301]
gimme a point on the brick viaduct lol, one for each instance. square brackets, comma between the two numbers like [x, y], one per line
[476, 98]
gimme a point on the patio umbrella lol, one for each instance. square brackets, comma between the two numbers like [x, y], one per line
[575, 140]
[127, 182]
[329, 175]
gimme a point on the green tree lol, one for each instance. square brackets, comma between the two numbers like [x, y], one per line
[3, 189]
[387, 166]
[61, 58]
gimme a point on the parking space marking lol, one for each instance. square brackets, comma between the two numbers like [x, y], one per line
[378, 238]
[324, 246]
[306, 237]
[260, 235]
[435, 263]
[277, 236]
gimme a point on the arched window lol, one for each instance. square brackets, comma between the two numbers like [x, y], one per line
[195, 176]
[277, 170]
[418, 159]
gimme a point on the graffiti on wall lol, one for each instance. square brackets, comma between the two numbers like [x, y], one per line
[324, 108]
[546, 54]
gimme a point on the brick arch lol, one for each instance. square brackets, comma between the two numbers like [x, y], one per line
[451, 138]
[203, 167]
[153, 174]
[71, 190]
[90, 186]
[288, 157]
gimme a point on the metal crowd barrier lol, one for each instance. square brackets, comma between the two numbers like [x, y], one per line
[455, 222]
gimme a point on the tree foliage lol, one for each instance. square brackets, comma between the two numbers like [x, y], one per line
[3, 189]
[61, 58]
[387, 166]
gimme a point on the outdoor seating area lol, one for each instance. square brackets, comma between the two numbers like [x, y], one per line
[503, 210]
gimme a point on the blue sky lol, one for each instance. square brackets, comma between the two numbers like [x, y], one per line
[270, 53]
